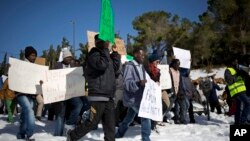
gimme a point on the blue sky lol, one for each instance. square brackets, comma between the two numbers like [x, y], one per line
[42, 23]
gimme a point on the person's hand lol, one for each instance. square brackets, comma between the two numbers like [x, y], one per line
[158, 83]
[142, 82]
[114, 47]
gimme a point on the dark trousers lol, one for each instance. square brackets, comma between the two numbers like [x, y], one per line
[191, 111]
[215, 104]
[120, 112]
[100, 110]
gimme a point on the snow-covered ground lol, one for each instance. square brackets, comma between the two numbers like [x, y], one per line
[203, 130]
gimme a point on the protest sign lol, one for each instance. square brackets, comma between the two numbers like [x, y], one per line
[151, 104]
[165, 78]
[63, 84]
[25, 77]
[91, 39]
[120, 46]
[184, 56]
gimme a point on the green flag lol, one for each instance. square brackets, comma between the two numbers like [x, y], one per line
[107, 22]
[129, 58]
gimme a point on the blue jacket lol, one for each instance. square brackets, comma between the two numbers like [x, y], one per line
[133, 92]
[213, 95]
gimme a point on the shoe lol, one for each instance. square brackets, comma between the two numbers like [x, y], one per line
[177, 121]
[20, 136]
[69, 138]
[38, 118]
[169, 115]
[192, 121]
[245, 123]
[161, 124]
[118, 135]
[40, 123]
[31, 138]
[67, 128]
[10, 120]
[156, 130]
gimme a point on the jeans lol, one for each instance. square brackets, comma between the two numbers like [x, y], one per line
[74, 110]
[145, 125]
[60, 118]
[241, 114]
[27, 118]
[181, 111]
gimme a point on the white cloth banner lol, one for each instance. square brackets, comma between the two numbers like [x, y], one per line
[151, 104]
[25, 77]
[184, 56]
[165, 78]
[63, 84]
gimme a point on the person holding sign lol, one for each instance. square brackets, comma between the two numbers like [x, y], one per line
[26, 102]
[100, 70]
[154, 73]
[70, 108]
[134, 84]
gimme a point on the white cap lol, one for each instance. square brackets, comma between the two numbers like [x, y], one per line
[66, 53]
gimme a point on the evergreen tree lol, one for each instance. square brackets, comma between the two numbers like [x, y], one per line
[3, 65]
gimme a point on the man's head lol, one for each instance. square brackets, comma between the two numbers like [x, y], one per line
[175, 64]
[67, 57]
[77, 63]
[99, 42]
[139, 54]
[30, 53]
[154, 59]
[233, 62]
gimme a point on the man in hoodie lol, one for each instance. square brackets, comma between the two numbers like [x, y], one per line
[100, 72]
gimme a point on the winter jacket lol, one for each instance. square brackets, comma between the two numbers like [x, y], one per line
[213, 95]
[187, 88]
[100, 72]
[132, 94]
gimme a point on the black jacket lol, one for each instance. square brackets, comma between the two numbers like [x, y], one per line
[100, 72]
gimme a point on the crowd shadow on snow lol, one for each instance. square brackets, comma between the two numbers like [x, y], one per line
[13, 128]
[203, 120]
[47, 127]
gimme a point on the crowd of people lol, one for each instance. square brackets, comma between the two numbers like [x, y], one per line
[114, 95]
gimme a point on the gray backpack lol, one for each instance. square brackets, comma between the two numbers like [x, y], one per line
[205, 85]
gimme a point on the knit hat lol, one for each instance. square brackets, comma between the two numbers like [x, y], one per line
[66, 53]
[28, 51]
[153, 57]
